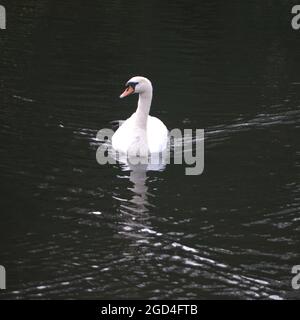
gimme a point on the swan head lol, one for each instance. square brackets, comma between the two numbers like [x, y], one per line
[137, 84]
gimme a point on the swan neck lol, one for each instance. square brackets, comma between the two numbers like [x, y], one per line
[143, 109]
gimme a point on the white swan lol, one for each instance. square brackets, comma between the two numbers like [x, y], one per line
[141, 133]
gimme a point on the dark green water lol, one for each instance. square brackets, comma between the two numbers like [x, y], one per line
[71, 228]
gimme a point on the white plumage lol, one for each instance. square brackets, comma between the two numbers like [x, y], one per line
[141, 133]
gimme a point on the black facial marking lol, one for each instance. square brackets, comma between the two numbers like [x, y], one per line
[131, 84]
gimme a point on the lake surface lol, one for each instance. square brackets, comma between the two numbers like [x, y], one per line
[71, 228]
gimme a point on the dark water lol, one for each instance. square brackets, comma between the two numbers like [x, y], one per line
[71, 228]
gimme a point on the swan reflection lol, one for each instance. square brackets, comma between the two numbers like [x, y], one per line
[135, 213]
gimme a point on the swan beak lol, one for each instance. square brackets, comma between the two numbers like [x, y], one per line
[129, 90]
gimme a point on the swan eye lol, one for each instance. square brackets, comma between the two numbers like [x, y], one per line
[132, 84]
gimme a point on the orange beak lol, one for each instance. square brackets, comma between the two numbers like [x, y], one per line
[129, 90]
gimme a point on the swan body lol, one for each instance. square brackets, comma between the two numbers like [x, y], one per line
[140, 134]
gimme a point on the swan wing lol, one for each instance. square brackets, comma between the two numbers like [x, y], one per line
[157, 135]
[124, 136]
[127, 135]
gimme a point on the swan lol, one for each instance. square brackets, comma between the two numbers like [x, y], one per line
[140, 134]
